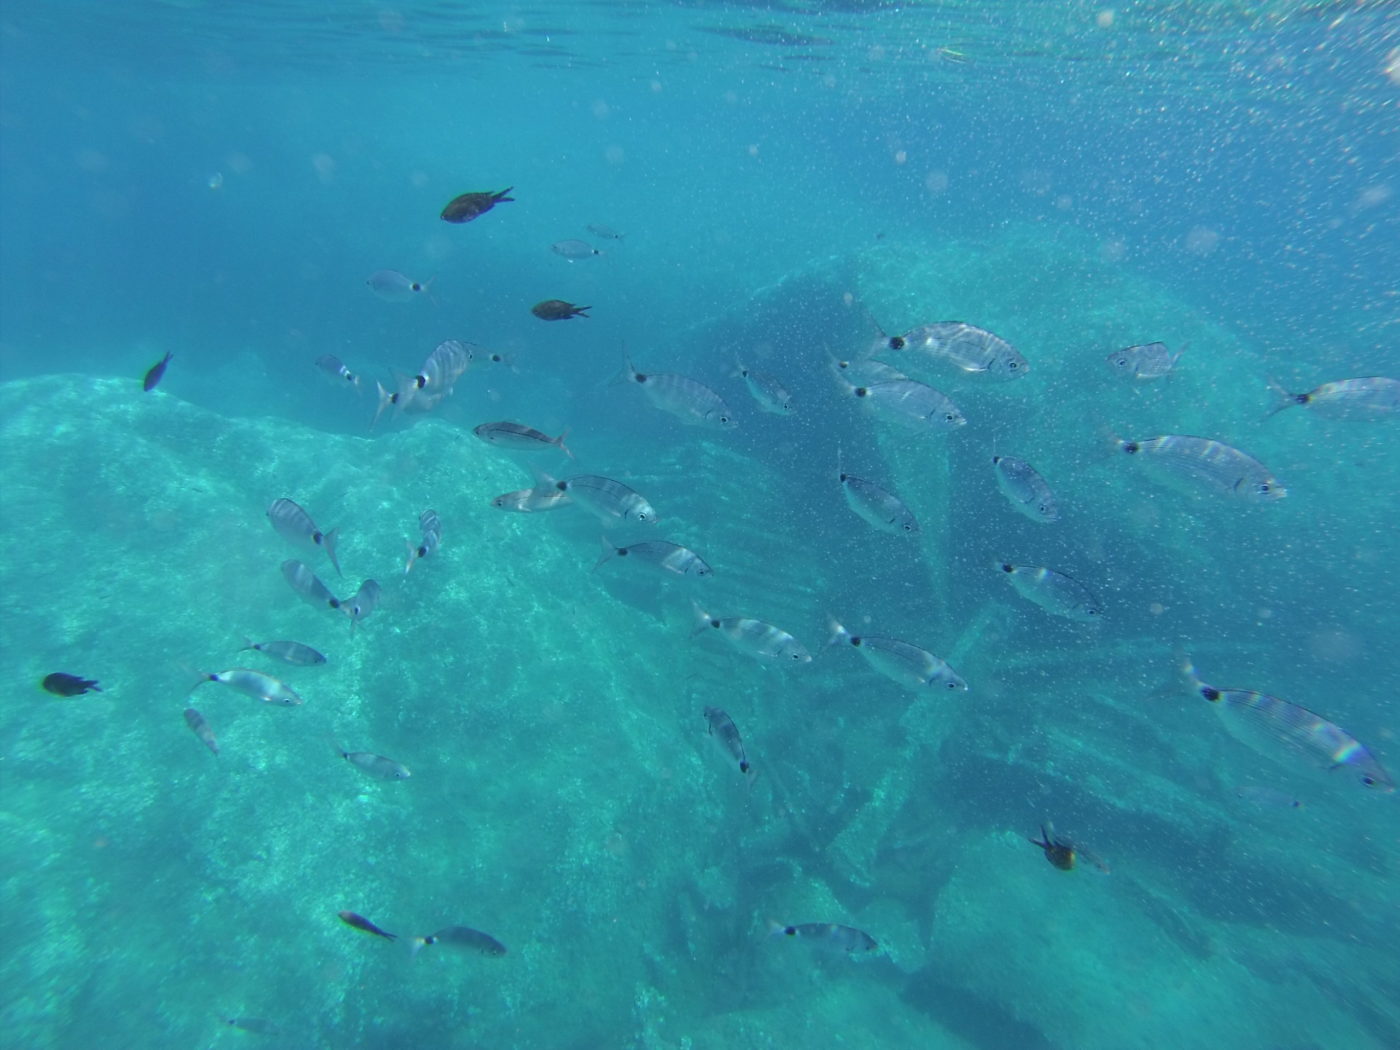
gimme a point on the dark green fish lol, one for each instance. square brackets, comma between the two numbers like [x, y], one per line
[61, 684]
[468, 206]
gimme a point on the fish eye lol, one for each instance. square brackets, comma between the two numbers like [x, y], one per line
[1014, 365]
[1368, 780]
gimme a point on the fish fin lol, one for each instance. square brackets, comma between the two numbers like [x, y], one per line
[328, 541]
[412, 556]
[702, 618]
[1285, 399]
[385, 400]
[501, 198]
[835, 632]
[560, 442]
[247, 644]
[428, 290]
[609, 552]
[416, 945]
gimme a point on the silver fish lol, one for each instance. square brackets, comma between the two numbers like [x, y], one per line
[972, 350]
[610, 501]
[1206, 465]
[335, 368]
[827, 936]
[767, 391]
[201, 729]
[373, 765]
[434, 381]
[660, 555]
[394, 287]
[308, 585]
[605, 232]
[880, 508]
[430, 525]
[520, 438]
[1146, 361]
[1053, 591]
[692, 402]
[461, 937]
[911, 405]
[291, 652]
[364, 602]
[528, 501]
[863, 371]
[1278, 728]
[900, 662]
[1267, 797]
[295, 525]
[257, 685]
[1368, 398]
[760, 640]
[574, 249]
[1026, 489]
[726, 735]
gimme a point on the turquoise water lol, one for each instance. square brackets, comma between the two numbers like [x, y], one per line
[218, 181]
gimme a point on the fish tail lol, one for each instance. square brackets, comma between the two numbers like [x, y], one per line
[835, 632]
[412, 556]
[328, 541]
[416, 945]
[1187, 670]
[609, 552]
[560, 442]
[428, 290]
[385, 400]
[1284, 398]
[774, 927]
[702, 618]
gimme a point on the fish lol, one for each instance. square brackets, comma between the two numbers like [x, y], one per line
[1062, 853]
[255, 684]
[558, 310]
[605, 232]
[200, 728]
[610, 501]
[519, 438]
[365, 601]
[528, 501]
[394, 287]
[255, 1025]
[880, 508]
[863, 371]
[1206, 466]
[434, 380]
[335, 368]
[911, 405]
[726, 735]
[156, 373]
[361, 923]
[971, 350]
[574, 249]
[1279, 728]
[661, 555]
[1266, 797]
[690, 401]
[373, 765]
[431, 528]
[62, 684]
[295, 525]
[755, 638]
[308, 585]
[1053, 591]
[461, 937]
[1143, 362]
[900, 662]
[468, 206]
[827, 935]
[1026, 490]
[1367, 398]
[766, 390]
[291, 652]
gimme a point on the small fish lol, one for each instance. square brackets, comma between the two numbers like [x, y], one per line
[900, 662]
[864, 371]
[558, 310]
[373, 765]
[1205, 465]
[468, 206]
[257, 685]
[1266, 797]
[828, 936]
[255, 1025]
[911, 405]
[365, 601]
[155, 373]
[755, 638]
[726, 735]
[335, 368]
[201, 729]
[1061, 853]
[461, 937]
[605, 232]
[1027, 491]
[61, 684]
[520, 438]
[1053, 591]
[1143, 362]
[528, 501]
[394, 287]
[610, 501]
[295, 525]
[1277, 728]
[574, 249]
[434, 380]
[971, 350]
[661, 555]
[880, 508]
[308, 585]
[770, 394]
[361, 923]
[692, 402]
[431, 528]
[1368, 398]
[291, 652]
